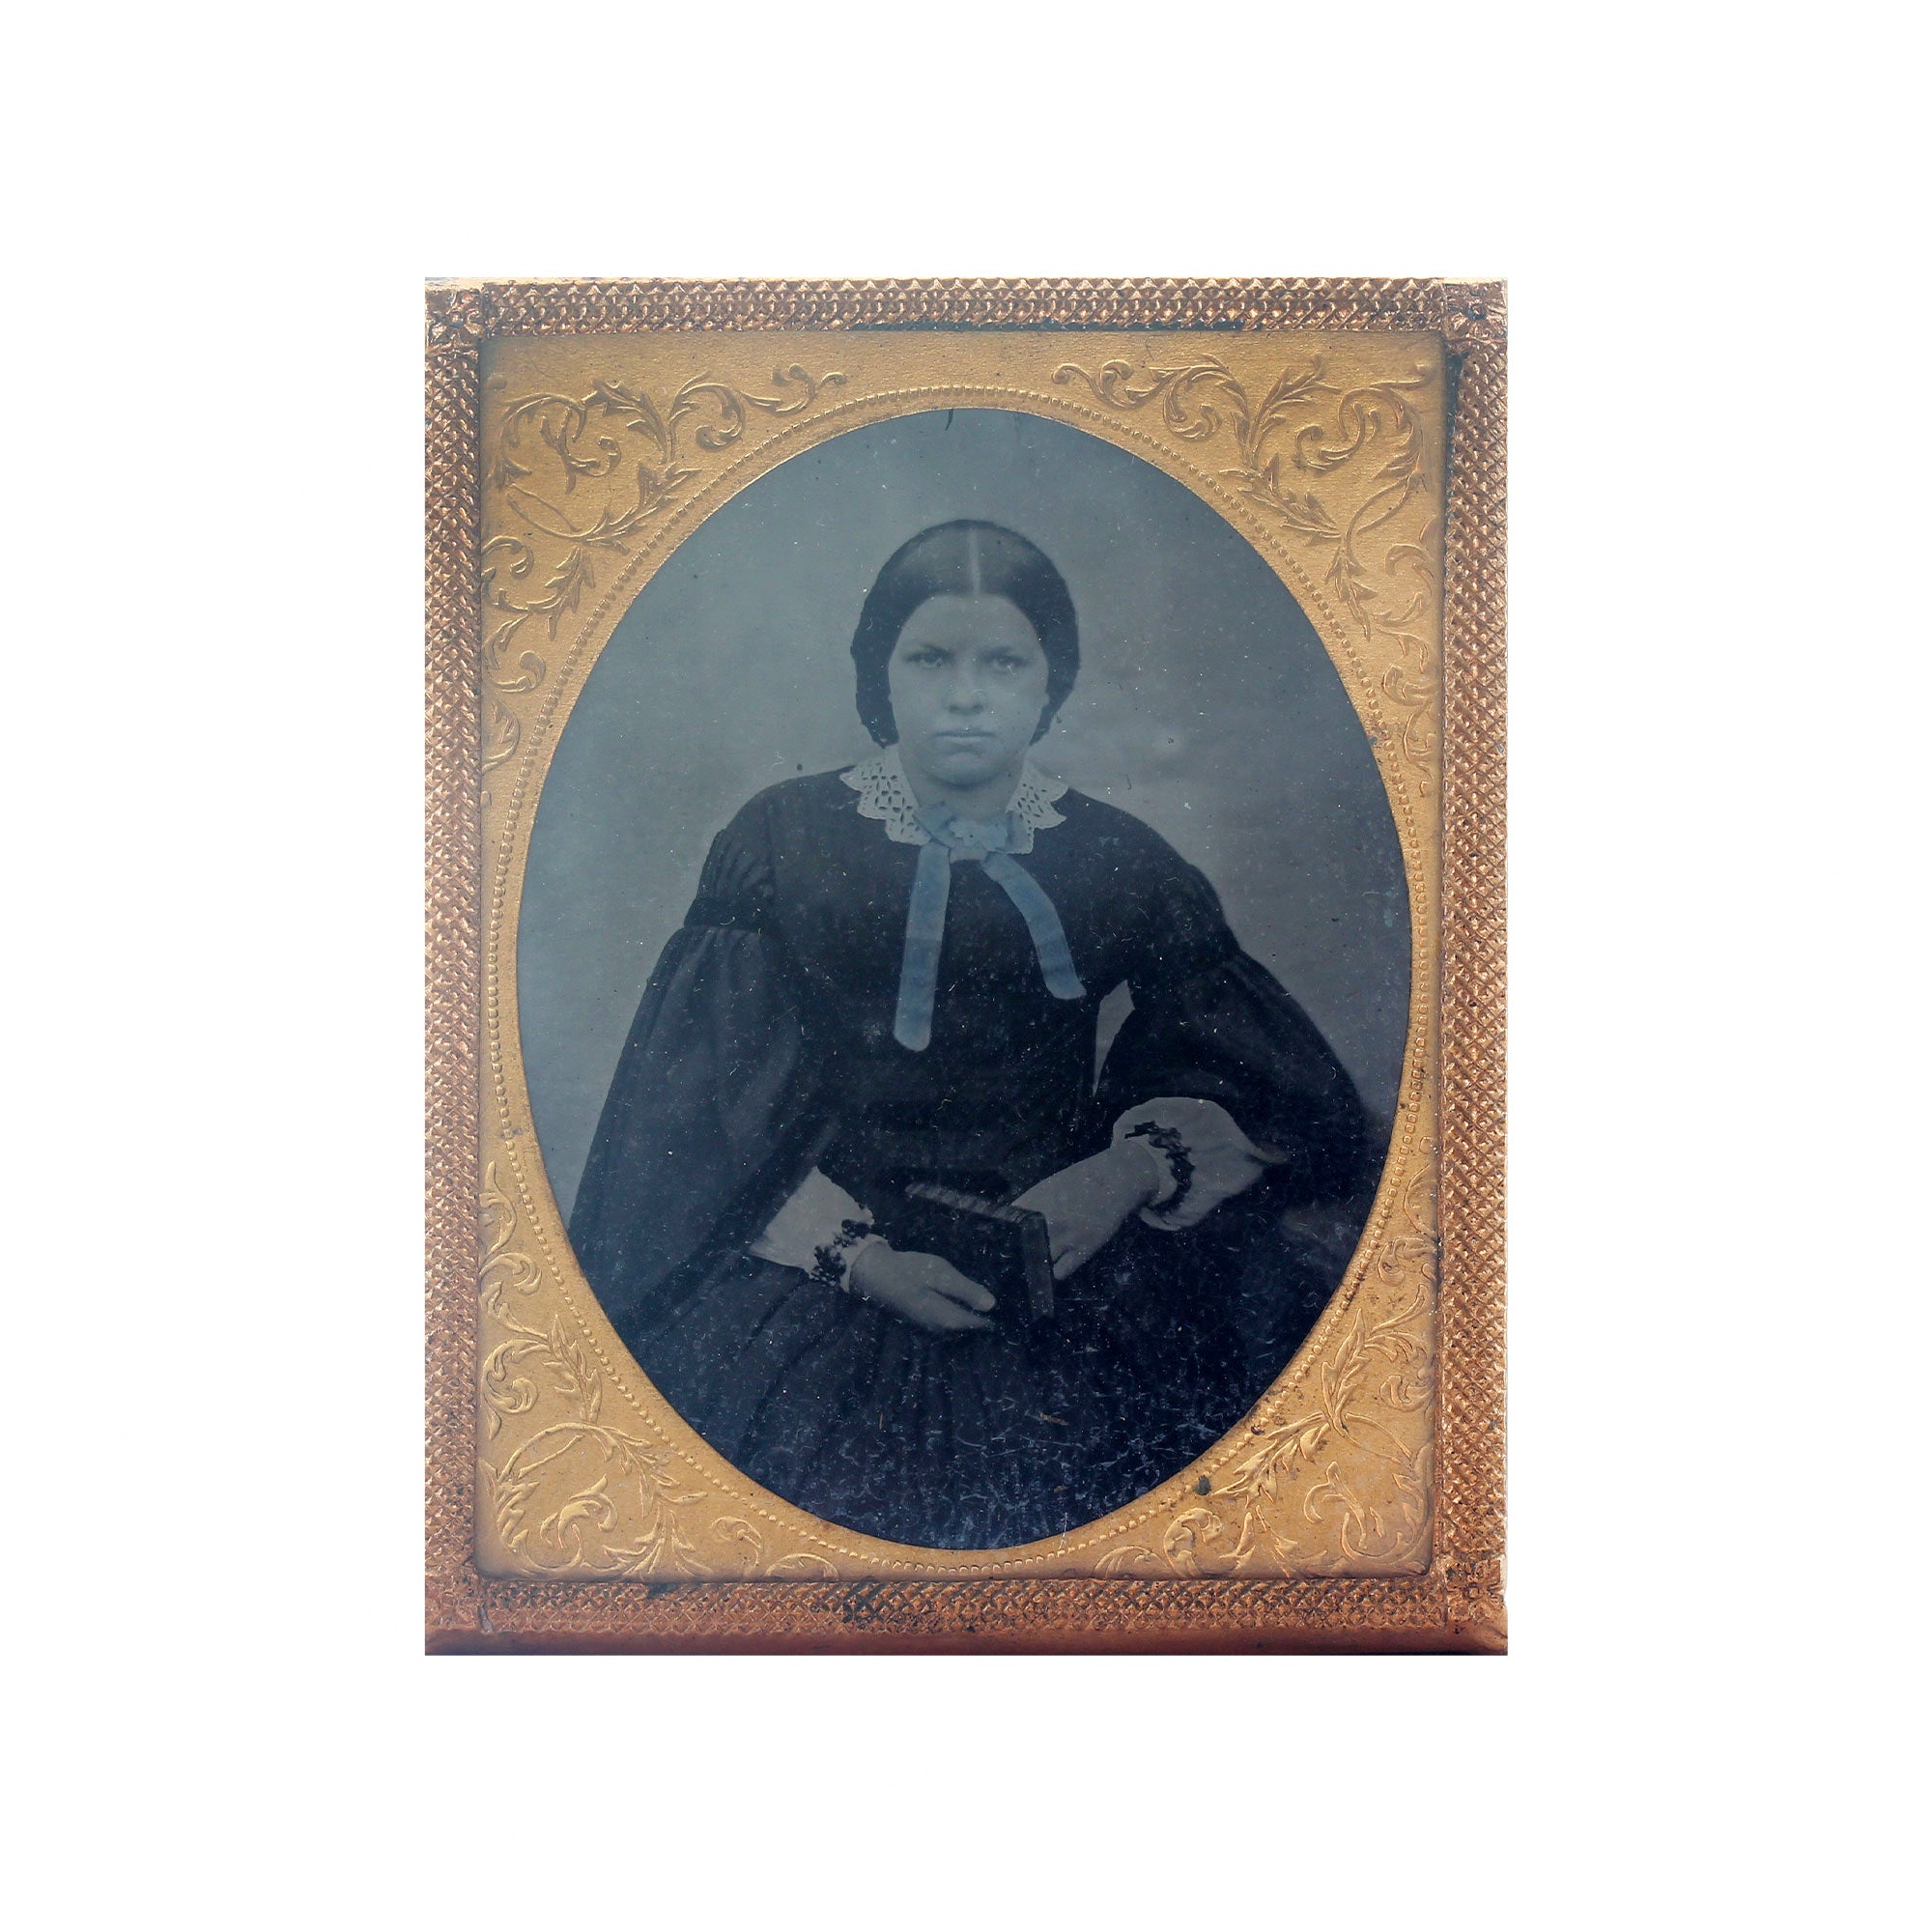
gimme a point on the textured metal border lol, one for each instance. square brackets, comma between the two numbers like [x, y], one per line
[1458, 1604]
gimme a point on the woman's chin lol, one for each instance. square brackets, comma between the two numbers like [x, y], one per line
[963, 766]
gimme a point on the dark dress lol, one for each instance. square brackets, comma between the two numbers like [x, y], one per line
[763, 1047]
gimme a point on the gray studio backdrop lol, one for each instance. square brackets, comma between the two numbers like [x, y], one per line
[1205, 705]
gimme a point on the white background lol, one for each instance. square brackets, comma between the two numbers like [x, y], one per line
[220, 219]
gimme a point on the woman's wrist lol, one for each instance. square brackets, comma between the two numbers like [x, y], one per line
[834, 1262]
[1143, 1171]
[1168, 1151]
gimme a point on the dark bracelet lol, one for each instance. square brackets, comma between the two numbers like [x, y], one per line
[830, 1264]
[1174, 1150]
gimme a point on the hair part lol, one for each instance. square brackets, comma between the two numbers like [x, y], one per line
[963, 559]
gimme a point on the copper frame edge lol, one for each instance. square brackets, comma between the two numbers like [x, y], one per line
[1457, 1606]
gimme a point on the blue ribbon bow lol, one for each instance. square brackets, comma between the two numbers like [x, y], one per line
[955, 840]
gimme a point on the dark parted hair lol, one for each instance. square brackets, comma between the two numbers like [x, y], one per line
[965, 558]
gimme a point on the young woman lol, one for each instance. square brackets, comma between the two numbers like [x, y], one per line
[894, 973]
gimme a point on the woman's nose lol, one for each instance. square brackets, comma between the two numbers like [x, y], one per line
[966, 694]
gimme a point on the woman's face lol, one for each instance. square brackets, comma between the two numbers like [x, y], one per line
[968, 684]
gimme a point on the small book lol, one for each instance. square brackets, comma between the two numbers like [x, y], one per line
[1004, 1249]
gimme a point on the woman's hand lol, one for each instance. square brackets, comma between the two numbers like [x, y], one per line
[923, 1289]
[1086, 1204]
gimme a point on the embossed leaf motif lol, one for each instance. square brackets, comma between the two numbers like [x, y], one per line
[804, 1564]
[1182, 411]
[744, 1539]
[592, 1505]
[499, 1214]
[526, 673]
[1367, 1535]
[501, 734]
[1185, 1538]
[506, 1271]
[632, 408]
[506, 1391]
[558, 1497]
[576, 1380]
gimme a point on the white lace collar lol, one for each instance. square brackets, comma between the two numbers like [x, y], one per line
[885, 794]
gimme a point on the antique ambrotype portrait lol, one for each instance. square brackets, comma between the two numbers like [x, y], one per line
[977, 939]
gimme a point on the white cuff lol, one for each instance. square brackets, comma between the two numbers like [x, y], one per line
[1205, 1157]
[820, 1230]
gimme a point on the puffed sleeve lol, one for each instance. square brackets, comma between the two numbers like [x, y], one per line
[707, 1121]
[1211, 1025]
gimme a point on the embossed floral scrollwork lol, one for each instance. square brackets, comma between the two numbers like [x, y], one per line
[559, 1496]
[506, 1271]
[1302, 431]
[748, 1544]
[578, 1496]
